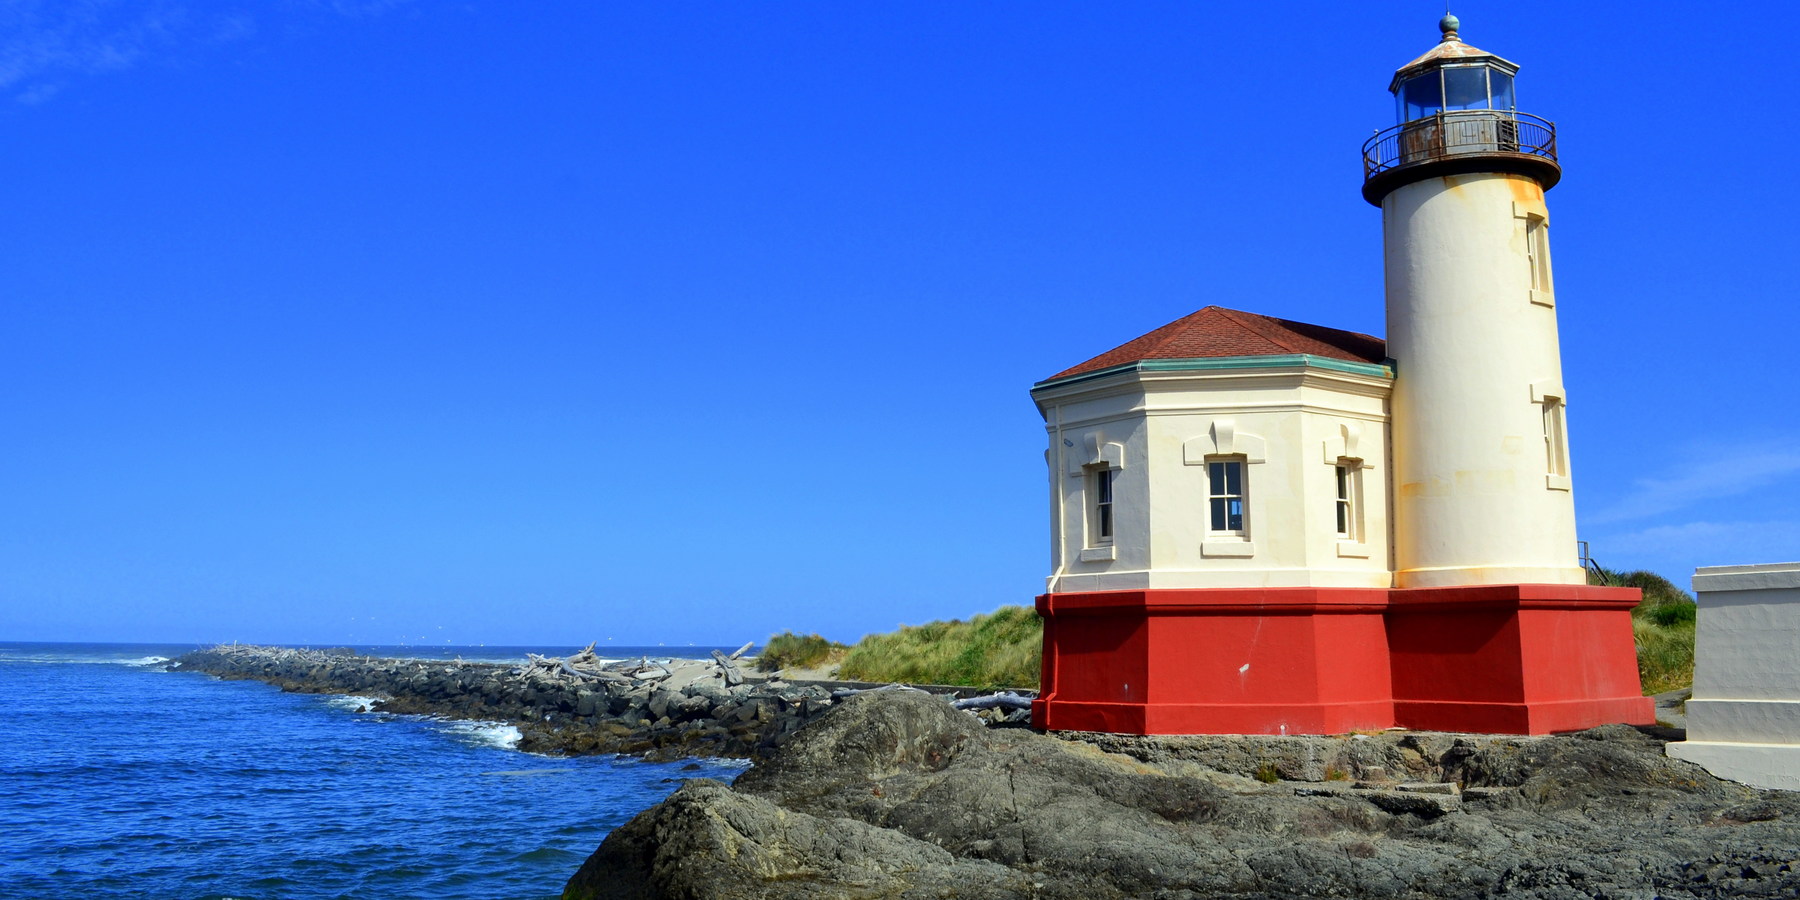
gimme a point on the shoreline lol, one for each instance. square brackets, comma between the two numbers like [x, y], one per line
[682, 709]
[557, 714]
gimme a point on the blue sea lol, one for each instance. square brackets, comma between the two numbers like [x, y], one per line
[121, 780]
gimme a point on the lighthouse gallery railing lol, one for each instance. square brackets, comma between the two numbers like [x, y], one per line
[1453, 133]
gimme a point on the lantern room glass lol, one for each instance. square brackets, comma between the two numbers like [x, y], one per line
[1454, 88]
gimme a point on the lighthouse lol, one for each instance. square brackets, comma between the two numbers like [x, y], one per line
[1482, 490]
[1266, 526]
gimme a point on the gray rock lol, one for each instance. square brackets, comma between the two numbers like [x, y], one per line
[893, 794]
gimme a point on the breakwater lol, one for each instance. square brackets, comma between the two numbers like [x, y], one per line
[660, 710]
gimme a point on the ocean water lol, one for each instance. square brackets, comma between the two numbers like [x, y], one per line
[120, 780]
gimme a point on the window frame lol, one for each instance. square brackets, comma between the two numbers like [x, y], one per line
[1556, 442]
[1346, 507]
[1539, 283]
[1103, 523]
[1214, 495]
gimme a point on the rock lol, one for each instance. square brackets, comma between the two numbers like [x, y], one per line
[894, 794]
[709, 841]
[559, 712]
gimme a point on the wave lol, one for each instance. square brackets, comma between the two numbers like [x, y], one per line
[351, 703]
[52, 659]
[484, 734]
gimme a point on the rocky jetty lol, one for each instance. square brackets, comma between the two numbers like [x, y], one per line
[655, 709]
[897, 795]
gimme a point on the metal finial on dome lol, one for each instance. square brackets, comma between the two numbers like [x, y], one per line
[1449, 25]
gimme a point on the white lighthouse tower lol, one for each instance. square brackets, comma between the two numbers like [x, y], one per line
[1481, 468]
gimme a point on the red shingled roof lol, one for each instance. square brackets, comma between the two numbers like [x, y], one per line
[1219, 332]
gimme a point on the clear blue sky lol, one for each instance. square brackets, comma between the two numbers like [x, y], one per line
[554, 322]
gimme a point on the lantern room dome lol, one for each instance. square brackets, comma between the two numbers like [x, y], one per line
[1451, 50]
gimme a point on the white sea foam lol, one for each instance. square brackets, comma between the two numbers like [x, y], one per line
[351, 703]
[484, 734]
[40, 658]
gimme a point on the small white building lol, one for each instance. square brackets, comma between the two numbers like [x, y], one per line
[1225, 449]
[1743, 721]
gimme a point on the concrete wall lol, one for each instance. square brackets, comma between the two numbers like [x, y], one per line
[1291, 425]
[1475, 345]
[1743, 721]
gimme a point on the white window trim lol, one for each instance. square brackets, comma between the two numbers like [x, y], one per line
[1355, 544]
[1095, 453]
[1338, 451]
[1092, 506]
[1346, 504]
[1222, 543]
[1242, 496]
[1537, 255]
[1555, 415]
[1222, 438]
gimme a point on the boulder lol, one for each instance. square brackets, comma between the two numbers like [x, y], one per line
[894, 794]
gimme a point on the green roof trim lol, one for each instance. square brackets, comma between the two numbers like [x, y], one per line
[1375, 370]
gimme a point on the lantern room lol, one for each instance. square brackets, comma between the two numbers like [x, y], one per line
[1456, 112]
[1453, 76]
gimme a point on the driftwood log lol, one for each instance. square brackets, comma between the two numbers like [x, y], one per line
[729, 668]
[1001, 700]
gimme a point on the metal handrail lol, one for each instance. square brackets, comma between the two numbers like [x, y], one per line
[1592, 566]
[1458, 132]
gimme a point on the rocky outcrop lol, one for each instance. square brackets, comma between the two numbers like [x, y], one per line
[557, 712]
[897, 795]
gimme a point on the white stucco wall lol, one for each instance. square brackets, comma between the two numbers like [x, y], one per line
[1743, 721]
[1476, 355]
[1290, 424]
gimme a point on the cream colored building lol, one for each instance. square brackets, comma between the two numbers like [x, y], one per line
[1226, 449]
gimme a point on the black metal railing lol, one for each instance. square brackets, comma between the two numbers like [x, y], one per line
[1454, 133]
[1596, 573]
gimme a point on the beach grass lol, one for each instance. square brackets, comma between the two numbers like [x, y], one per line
[1000, 649]
[788, 650]
[1662, 627]
[1004, 648]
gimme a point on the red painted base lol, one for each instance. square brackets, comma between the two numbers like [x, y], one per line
[1523, 659]
[1515, 658]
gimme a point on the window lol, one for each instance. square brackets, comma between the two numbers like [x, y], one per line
[1101, 525]
[1537, 254]
[1346, 501]
[1556, 447]
[1348, 508]
[1225, 496]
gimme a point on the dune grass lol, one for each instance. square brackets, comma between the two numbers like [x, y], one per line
[1004, 648]
[788, 650]
[1000, 649]
[1663, 628]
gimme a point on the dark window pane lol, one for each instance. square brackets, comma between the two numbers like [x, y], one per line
[1343, 476]
[1234, 478]
[1236, 515]
[1218, 515]
[1466, 88]
[1103, 484]
[1215, 477]
[1106, 521]
[1422, 95]
[1343, 517]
